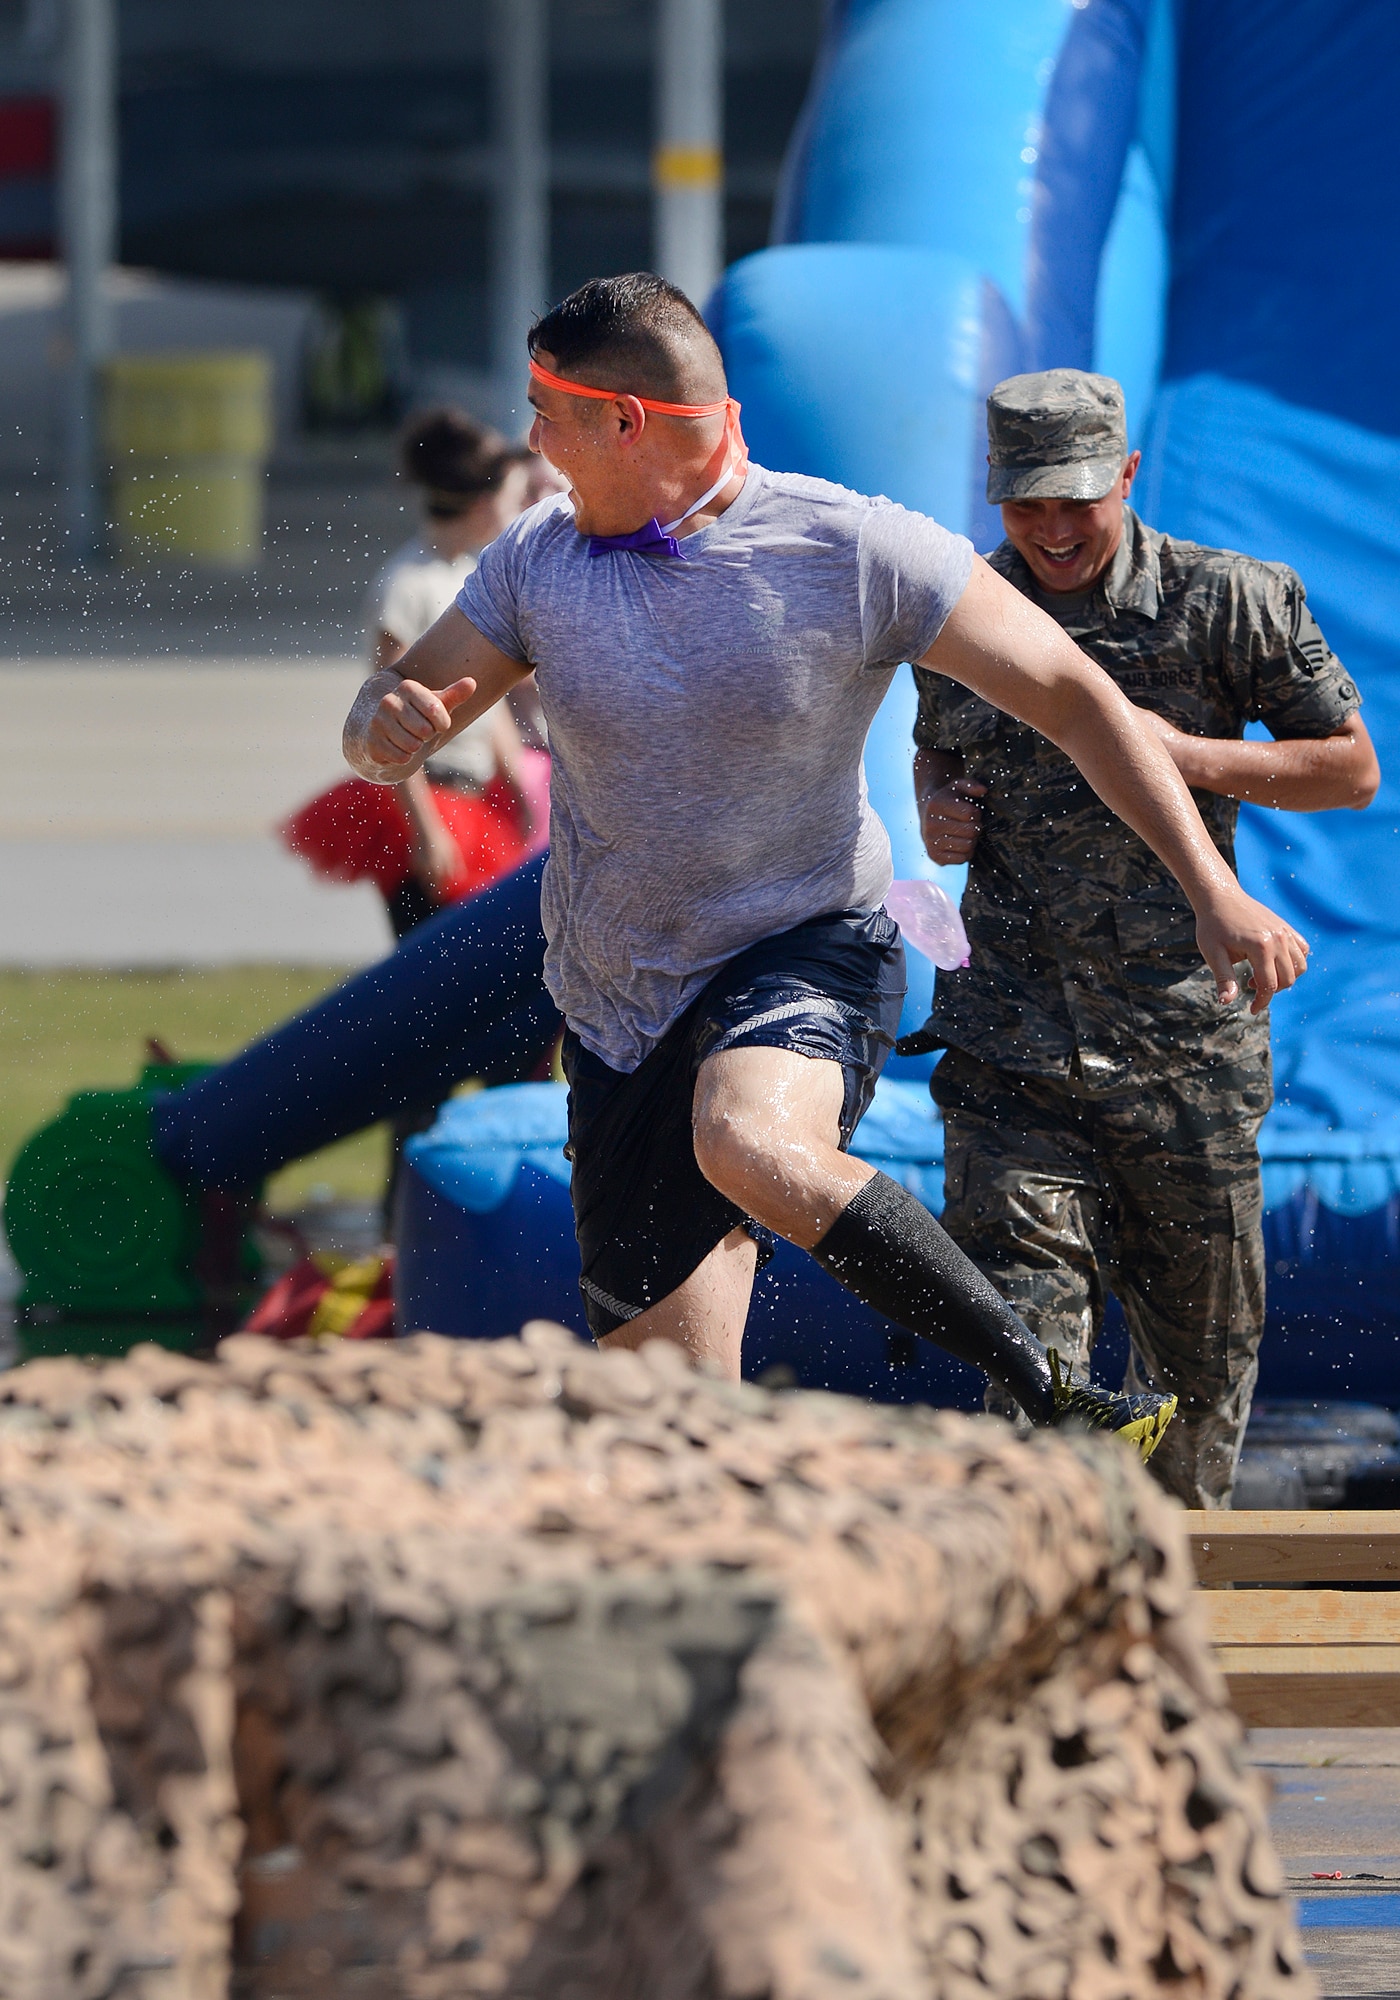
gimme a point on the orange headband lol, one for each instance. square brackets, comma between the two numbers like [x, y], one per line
[647, 402]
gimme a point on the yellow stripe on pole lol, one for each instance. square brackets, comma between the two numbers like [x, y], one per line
[676, 167]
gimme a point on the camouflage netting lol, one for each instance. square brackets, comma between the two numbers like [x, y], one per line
[463, 1668]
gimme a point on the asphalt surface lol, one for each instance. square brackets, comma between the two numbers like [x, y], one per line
[1336, 1822]
[156, 726]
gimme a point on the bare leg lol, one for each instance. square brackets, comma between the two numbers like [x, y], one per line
[768, 1133]
[706, 1314]
[767, 1125]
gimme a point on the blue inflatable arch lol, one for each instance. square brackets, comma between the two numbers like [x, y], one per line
[1200, 197]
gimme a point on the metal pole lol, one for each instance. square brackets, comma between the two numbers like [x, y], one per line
[521, 221]
[688, 164]
[88, 232]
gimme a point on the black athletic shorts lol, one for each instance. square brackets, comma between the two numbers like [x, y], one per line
[645, 1215]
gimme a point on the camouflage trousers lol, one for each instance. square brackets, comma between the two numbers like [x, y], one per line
[1151, 1192]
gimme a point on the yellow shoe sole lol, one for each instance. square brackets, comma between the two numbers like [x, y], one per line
[1146, 1434]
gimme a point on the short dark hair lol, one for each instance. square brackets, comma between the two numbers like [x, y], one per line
[452, 457]
[636, 333]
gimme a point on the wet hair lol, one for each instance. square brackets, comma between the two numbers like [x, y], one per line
[453, 458]
[635, 333]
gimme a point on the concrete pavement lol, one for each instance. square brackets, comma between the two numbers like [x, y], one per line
[156, 725]
[138, 806]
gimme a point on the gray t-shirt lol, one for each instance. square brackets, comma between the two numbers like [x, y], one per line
[707, 719]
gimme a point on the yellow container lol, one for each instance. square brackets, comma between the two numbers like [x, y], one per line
[188, 406]
[187, 437]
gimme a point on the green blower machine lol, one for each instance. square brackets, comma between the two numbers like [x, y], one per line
[112, 1249]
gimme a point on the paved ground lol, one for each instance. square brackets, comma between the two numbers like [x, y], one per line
[155, 726]
[137, 817]
[1336, 1820]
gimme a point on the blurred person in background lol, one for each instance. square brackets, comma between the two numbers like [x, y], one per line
[474, 813]
[479, 809]
[542, 482]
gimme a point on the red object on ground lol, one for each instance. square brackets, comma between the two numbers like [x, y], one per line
[329, 1295]
[28, 131]
[376, 1322]
[358, 832]
[285, 1312]
[27, 134]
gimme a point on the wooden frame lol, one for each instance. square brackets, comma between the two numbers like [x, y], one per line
[1301, 1656]
[1276, 1547]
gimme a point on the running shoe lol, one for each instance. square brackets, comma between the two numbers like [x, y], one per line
[1138, 1420]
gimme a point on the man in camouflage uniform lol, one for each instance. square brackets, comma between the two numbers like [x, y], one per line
[1101, 1107]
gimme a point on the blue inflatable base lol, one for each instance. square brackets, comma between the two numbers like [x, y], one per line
[485, 1239]
[477, 1276]
[1333, 1332]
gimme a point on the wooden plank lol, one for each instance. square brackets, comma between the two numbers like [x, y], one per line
[1303, 1617]
[1272, 1546]
[1315, 1700]
[1305, 1660]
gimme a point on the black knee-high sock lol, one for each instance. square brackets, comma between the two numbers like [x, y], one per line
[886, 1248]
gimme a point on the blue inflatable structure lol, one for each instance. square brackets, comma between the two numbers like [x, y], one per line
[485, 1238]
[462, 996]
[1201, 198]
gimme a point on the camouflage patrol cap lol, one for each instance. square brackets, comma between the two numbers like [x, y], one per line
[1058, 435]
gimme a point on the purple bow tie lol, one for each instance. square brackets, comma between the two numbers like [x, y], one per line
[652, 540]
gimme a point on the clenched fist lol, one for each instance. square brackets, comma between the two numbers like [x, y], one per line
[1234, 930]
[406, 724]
[950, 821]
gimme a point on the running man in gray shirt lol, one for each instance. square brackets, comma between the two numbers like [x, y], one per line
[707, 718]
[711, 641]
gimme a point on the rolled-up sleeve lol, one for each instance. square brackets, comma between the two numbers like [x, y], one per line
[1297, 685]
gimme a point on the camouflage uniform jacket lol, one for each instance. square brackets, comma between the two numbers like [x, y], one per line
[1083, 944]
